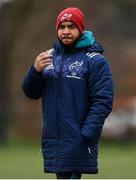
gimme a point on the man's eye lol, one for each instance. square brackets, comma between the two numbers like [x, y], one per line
[71, 26]
[61, 27]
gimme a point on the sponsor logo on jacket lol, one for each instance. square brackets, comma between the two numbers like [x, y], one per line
[49, 67]
[74, 69]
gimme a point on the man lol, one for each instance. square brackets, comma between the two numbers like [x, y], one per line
[75, 84]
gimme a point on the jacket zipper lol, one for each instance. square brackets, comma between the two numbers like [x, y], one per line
[59, 109]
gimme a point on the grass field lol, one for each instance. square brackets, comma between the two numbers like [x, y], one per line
[22, 160]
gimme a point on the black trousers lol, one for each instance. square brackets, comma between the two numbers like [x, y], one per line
[68, 175]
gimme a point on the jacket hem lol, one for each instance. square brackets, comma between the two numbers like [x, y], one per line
[82, 171]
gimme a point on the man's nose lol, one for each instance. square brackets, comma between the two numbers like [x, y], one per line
[66, 30]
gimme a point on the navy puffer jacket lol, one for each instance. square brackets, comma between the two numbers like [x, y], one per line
[77, 95]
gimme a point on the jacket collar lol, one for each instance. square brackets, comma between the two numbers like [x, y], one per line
[85, 42]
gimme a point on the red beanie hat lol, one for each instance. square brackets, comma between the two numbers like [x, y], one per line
[71, 14]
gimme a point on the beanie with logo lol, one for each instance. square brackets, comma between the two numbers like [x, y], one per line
[72, 14]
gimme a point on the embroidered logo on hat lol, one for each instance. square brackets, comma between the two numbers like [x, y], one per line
[66, 17]
[72, 14]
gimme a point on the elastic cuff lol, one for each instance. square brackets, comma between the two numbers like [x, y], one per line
[35, 71]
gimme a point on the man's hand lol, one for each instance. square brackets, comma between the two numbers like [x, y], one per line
[43, 59]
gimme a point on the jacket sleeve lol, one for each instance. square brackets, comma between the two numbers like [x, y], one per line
[100, 87]
[33, 83]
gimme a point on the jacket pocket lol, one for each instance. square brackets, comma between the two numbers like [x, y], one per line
[93, 151]
[49, 148]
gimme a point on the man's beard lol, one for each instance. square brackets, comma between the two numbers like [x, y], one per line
[70, 44]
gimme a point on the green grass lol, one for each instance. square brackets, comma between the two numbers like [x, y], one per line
[22, 160]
